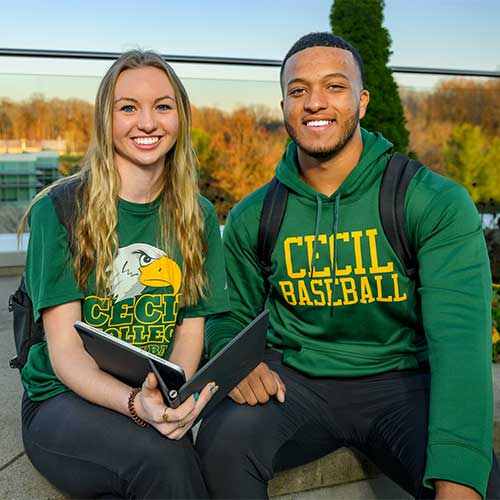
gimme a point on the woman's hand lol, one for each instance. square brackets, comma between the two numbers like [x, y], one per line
[173, 423]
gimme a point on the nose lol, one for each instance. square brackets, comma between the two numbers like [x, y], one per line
[316, 101]
[146, 121]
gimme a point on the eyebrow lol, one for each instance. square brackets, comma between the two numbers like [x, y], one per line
[137, 102]
[326, 77]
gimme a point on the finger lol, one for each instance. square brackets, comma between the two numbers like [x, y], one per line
[177, 430]
[205, 396]
[247, 393]
[281, 384]
[150, 382]
[259, 390]
[182, 411]
[191, 407]
[183, 432]
[178, 434]
[269, 382]
[185, 409]
[236, 396]
[172, 432]
[280, 395]
[166, 416]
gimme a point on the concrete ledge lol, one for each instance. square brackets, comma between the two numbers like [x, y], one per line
[13, 255]
[342, 466]
[11, 271]
[20, 481]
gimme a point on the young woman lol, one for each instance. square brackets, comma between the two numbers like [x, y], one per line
[146, 266]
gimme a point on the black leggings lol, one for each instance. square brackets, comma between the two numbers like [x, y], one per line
[88, 451]
[383, 416]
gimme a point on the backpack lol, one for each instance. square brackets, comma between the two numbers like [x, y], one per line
[27, 331]
[395, 180]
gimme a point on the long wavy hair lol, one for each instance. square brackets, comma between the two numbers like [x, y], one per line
[181, 217]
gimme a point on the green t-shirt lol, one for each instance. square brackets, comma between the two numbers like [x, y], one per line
[142, 306]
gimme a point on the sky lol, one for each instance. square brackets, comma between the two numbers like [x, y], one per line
[459, 34]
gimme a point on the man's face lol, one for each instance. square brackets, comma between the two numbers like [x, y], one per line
[323, 100]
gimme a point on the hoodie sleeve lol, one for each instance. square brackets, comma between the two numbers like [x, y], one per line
[245, 284]
[455, 289]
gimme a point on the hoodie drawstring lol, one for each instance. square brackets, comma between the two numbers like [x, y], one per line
[336, 210]
[335, 227]
[316, 232]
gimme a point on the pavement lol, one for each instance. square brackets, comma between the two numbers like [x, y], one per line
[20, 481]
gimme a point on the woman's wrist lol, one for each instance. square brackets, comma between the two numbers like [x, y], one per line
[132, 404]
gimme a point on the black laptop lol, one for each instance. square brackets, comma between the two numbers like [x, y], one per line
[132, 364]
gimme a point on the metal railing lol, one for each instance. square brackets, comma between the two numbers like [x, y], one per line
[227, 61]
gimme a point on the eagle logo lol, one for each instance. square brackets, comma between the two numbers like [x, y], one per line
[140, 265]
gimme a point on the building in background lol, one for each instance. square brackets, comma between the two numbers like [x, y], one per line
[30, 146]
[23, 175]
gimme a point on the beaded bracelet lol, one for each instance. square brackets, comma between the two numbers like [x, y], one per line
[131, 408]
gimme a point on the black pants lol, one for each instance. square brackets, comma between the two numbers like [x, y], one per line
[383, 416]
[88, 451]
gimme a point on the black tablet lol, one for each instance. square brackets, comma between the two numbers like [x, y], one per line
[231, 364]
[131, 364]
[126, 362]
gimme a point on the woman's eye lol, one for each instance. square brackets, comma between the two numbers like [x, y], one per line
[128, 108]
[163, 107]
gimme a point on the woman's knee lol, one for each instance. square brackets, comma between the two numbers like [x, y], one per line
[164, 467]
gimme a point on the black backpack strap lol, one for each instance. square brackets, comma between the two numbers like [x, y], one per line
[27, 332]
[64, 196]
[397, 176]
[271, 218]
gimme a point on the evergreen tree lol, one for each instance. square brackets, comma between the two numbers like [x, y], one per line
[472, 160]
[465, 157]
[360, 23]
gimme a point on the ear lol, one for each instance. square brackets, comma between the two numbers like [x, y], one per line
[281, 105]
[364, 99]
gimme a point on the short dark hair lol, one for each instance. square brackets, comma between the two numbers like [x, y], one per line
[324, 39]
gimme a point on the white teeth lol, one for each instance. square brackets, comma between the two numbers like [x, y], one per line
[146, 140]
[318, 123]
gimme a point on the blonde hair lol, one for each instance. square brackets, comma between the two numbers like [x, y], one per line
[181, 217]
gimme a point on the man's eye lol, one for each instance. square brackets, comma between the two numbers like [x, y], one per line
[336, 86]
[297, 91]
[128, 108]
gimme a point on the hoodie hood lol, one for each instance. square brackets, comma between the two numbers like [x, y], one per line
[375, 147]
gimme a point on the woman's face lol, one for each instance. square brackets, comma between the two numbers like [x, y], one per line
[145, 118]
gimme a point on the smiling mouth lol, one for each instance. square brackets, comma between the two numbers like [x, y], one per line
[146, 141]
[318, 123]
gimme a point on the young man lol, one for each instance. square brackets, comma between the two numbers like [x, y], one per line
[351, 336]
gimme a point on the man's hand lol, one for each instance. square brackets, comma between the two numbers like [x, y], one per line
[446, 490]
[258, 387]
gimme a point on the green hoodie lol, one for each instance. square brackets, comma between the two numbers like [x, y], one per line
[342, 305]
